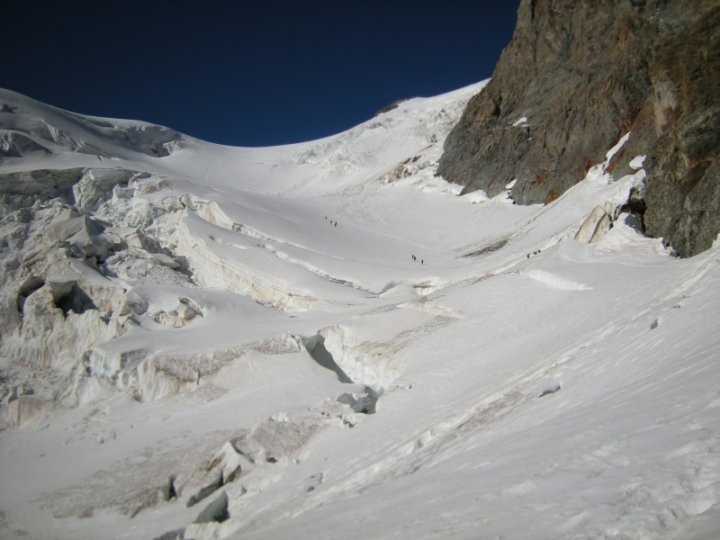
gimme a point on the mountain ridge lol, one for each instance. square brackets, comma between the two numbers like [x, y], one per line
[584, 74]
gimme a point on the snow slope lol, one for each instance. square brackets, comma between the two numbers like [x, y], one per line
[324, 340]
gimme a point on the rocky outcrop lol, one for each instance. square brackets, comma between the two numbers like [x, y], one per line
[575, 78]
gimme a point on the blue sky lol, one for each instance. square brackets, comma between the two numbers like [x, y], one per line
[247, 73]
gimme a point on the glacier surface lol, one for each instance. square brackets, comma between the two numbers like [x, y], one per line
[326, 340]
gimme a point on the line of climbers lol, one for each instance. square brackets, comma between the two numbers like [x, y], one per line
[335, 224]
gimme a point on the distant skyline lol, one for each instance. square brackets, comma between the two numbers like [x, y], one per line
[247, 73]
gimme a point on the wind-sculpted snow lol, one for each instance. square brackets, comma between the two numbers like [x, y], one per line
[326, 340]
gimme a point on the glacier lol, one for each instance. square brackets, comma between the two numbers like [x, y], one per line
[326, 340]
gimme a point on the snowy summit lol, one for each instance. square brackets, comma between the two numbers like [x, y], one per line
[327, 340]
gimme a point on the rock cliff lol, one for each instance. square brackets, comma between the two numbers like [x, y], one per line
[576, 77]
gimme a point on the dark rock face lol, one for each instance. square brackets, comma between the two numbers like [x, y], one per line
[683, 188]
[584, 73]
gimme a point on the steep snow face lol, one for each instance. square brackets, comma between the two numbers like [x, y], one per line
[325, 339]
[31, 129]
